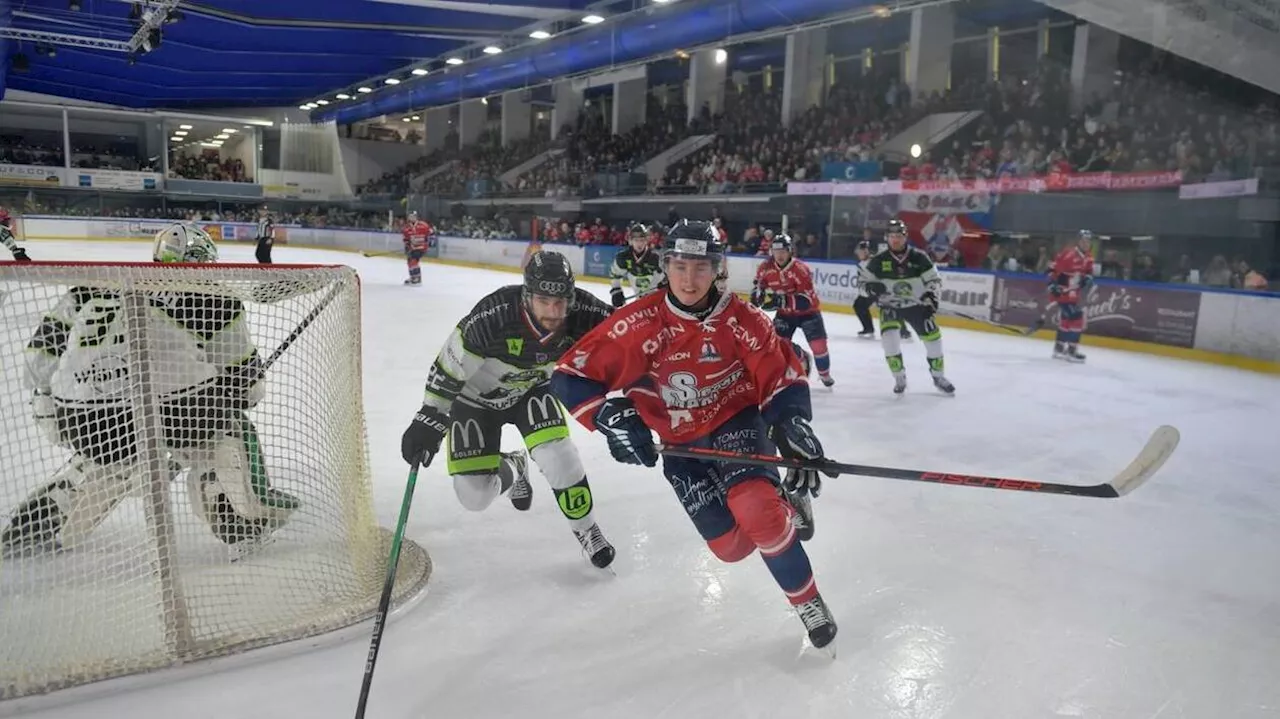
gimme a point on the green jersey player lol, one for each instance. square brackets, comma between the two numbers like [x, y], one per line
[638, 264]
[905, 285]
[495, 370]
[7, 238]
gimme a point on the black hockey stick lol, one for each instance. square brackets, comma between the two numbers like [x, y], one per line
[1040, 323]
[384, 601]
[302, 326]
[1154, 454]
[971, 318]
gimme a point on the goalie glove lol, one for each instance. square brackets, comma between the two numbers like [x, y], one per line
[616, 297]
[796, 440]
[629, 439]
[421, 441]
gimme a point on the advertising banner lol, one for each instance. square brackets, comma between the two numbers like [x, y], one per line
[131, 229]
[42, 175]
[1145, 313]
[115, 180]
[851, 171]
[968, 293]
[945, 201]
[598, 259]
[835, 283]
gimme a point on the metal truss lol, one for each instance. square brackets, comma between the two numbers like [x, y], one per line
[154, 14]
[58, 38]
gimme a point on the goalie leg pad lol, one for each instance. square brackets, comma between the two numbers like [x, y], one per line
[70, 507]
[234, 468]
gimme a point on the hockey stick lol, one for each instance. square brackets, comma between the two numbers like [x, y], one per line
[1040, 323]
[972, 318]
[302, 326]
[383, 253]
[1154, 454]
[384, 601]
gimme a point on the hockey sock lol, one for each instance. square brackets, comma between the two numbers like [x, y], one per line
[933, 350]
[821, 359]
[766, 519]
[892, 344]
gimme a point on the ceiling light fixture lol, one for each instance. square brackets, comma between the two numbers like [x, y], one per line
[492, 50]
[392, 81]
[322, 102]
[180, 133]
[364, 89]
[419, 71]
[454, 61]
[407, 119]
[417, 117]
[593, 19]
[184, 127]
[230, 130]
[539, 34]
[343, 96]
[222, 137]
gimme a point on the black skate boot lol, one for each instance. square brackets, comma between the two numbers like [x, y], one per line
[802, 517]
[1073, 353]
[867, 335]
[596, 546]
[943, 384]
[827, 380]
[520, 492]
[33, 529]
[817, 621]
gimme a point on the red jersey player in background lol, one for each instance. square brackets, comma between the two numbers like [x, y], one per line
[416, 233]
[1069, 279]
[785, 283]
[701, 367]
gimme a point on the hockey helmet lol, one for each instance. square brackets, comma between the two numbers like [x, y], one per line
[183, 243]
[694, 240]
[4, 217]
[638, 231]
[782, 241]
[548, 274]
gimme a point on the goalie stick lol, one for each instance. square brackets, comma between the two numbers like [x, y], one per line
[1153, 455]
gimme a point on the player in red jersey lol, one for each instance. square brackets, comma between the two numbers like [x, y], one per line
[1069, 279]
[417, 234]
[785, 283]
[701, 367]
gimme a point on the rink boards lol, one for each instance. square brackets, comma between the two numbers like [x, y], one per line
[1222, 327]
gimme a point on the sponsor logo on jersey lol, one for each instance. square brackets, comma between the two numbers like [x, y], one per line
[708, 353]
[547, 287]
[622, 326]
[515, 346]
[548, 410]
[743, 334]
[682, 390]
[580, 358]
[460, 435]
[678, 356]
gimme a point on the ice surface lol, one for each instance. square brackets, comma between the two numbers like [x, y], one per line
[952, 602]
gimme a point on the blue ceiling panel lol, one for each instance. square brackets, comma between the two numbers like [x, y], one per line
[5, 21]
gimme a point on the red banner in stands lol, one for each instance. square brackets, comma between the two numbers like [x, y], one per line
[1063, 182]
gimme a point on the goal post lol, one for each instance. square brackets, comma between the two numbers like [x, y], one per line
[182, 497]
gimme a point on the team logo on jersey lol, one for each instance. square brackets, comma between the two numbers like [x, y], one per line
[708, 353]
[515, 346]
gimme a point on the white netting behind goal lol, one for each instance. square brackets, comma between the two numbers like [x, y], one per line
[177, 501]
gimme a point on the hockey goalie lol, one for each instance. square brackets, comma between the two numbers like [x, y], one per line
[205, 375]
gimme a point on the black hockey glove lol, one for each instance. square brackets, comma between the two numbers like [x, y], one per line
[616, 297]
[796, 440]
[421, 441]
[874, 288]
[20, 255]
[629, 437]
[929, 301]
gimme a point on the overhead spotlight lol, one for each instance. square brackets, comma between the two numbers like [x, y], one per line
[539, 34]
[223, 136]
[184, 127]
[181, 133]
[364, 89]
[230, 130]
[343, 96]
[175, 138]
[210, 144]
[721, 56]
[484, 101]
[492, 50]
[419, 71]
[593, 19]
[417, 117]
[322, 102]
[661, 2]
[304, 107]
[881, 11]
[454, 61]
[407, 119]
[392, 81]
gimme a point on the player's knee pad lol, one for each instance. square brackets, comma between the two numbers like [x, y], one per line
[819, 346]
[559, 462]
[732, 546]
[477, 491]
[761, 512]
[806, 360]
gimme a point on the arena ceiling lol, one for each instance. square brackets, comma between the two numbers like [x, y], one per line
[243, 53]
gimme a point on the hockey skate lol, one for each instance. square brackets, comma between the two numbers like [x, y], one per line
[818, 622]
[520, 492]
[1073, 353]
[867, 335]
[413, 281]
[596, 546]
[827, 380]
[33, 528]
[899, 383]
[802, 516]
[943, 384]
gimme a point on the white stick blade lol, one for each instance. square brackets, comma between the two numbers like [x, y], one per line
[1153, 456]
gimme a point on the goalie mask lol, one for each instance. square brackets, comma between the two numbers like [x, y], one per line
[184, 244]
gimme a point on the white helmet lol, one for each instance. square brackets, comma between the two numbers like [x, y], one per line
[184, 243]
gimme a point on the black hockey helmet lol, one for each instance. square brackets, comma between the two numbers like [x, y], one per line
[782, 241]
[694, 240]
[549, 274]
[896, 227]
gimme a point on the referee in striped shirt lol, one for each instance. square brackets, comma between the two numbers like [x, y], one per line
[266, 236]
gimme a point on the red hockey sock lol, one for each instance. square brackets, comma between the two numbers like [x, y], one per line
[766, 518]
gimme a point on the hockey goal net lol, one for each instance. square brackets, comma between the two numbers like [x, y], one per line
[172, 497]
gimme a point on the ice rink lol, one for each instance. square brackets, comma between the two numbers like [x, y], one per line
[952, 602]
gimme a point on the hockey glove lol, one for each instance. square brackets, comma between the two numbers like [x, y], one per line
[629, 437]
[616, 297]
[1055, 290]
[421, 441]
[929, 301]
[45, 414]
[796, 440]
[20, 255]
[874, 288]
